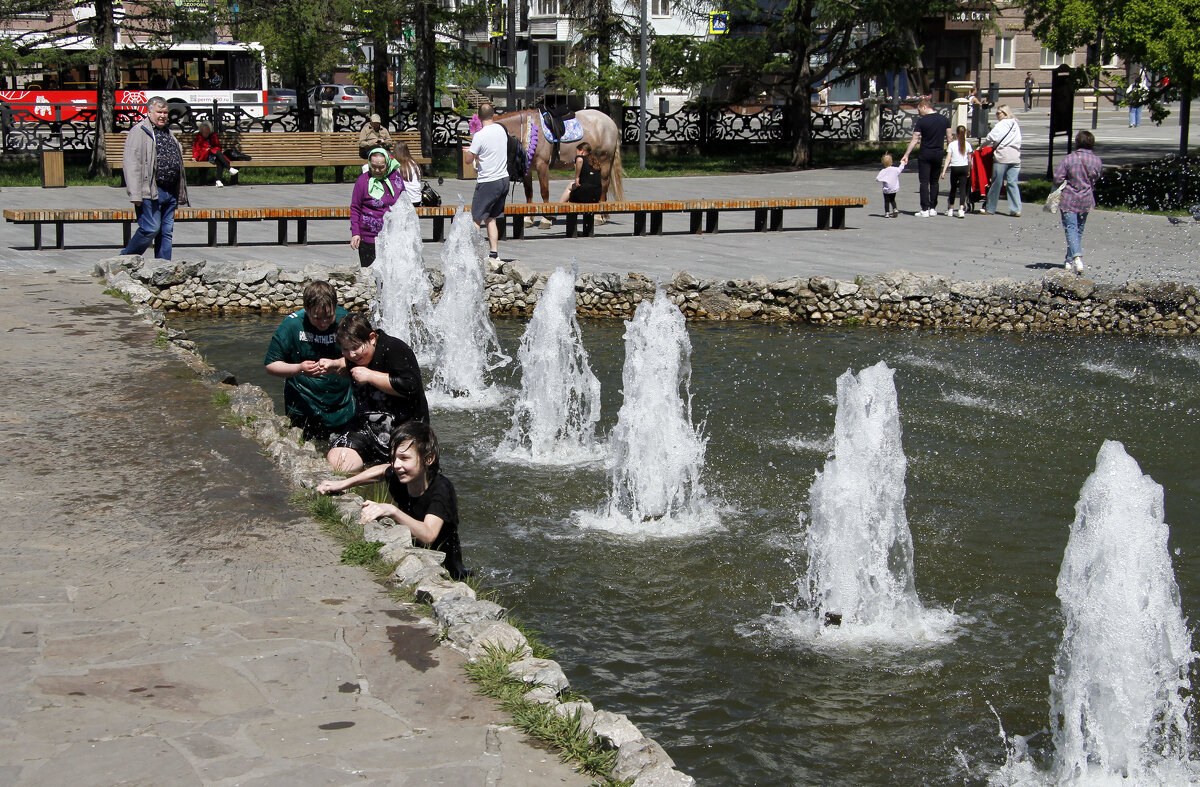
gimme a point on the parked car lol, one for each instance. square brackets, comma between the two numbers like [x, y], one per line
[342, 96]
[280, 100]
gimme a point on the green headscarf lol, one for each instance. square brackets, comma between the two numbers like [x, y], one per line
[375, 186]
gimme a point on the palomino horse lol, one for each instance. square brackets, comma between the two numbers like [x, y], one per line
[599, 131]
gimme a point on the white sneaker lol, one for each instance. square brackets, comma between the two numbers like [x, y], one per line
[220, 185]
[922, 214]
[949, 211]
[1079, 264]
[233, 171]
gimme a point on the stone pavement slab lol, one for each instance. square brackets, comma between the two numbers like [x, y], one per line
[166, 617]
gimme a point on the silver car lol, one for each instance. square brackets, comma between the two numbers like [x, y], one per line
[342, 97]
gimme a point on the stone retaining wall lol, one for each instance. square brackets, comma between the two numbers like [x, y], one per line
[1060, 302]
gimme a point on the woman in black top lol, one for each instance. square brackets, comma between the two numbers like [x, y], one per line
[587, 183]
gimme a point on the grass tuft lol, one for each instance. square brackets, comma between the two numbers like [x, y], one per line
[114, 292]
[491, 678]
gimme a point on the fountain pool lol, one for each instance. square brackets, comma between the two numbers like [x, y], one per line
[681, 634]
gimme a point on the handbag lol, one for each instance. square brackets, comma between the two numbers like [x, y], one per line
[429, 197]
[1053, 198]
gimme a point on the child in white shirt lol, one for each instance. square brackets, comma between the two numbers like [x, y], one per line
[959, 165]
[889, 176]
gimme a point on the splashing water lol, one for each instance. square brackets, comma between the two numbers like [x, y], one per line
[554, 420]
[403, 303]
[467, 347]
[860, 551]
[1119, 696]
[656, 454]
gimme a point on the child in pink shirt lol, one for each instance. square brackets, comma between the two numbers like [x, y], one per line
[889, 176]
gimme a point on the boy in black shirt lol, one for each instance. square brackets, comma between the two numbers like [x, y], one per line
[425, 501]
[388, 390]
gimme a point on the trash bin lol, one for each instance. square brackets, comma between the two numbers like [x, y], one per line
[466, 171]
[53, 174]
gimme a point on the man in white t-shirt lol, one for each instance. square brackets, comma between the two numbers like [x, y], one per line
[489, 153]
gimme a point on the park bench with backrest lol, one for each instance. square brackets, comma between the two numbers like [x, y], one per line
[307, 149]
[647, 216]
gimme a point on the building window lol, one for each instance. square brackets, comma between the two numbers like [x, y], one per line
[1005, 53]
[1054, 60]
[660, 7]
[557, 56]
[547, 7]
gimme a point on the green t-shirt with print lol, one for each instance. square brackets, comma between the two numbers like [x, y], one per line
[327, 397]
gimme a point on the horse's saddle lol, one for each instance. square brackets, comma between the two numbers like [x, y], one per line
[561, 127]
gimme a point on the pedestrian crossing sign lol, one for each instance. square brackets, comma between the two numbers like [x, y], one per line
[718, 23]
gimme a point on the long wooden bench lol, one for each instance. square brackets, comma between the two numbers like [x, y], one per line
[648, 216]
[308, 149]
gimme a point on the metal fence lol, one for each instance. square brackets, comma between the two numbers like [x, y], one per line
[65, 127]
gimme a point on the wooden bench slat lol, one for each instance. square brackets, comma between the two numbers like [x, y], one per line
[648, 214]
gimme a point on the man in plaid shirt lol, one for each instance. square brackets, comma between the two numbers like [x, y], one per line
[1080, 171]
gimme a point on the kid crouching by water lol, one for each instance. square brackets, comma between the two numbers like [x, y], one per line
[889, 176]
[425, 501]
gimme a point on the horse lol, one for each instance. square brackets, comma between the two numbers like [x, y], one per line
[599, 131]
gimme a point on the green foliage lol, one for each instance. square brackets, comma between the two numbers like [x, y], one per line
[222, 400]
[360, 553]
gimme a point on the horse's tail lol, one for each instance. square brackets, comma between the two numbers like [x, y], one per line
[616, 176]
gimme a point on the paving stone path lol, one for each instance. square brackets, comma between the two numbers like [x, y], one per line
[166, 617]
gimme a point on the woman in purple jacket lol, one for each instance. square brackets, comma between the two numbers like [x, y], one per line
[375, 192]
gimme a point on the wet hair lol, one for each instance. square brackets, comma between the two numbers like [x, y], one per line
[486, 111]
[354, 331]
[423, 439]
[1085, 139]
[886, 160]
[320, 296]
[960, 134]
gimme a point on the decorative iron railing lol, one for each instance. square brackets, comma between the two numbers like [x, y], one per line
[65, 127]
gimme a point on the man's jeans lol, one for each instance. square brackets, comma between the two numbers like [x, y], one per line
[1007, 173]
[156, 223]
[1073, 226]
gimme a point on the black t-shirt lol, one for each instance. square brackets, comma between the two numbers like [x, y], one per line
[441, 501]
[397, 360]
[932, 128]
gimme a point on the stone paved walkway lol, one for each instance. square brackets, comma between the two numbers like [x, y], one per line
[166, 618]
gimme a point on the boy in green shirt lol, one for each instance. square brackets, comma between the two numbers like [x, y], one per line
[304, 350]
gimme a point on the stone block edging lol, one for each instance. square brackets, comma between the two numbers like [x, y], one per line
[1058, 302]
[470, 625]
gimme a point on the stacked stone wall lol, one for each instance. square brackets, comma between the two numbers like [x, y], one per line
[1058, 302]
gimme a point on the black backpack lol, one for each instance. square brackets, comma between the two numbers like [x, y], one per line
[518, 165]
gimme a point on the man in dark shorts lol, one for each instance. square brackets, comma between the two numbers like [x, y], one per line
[489, 153]
[932, 132]
[388, 390]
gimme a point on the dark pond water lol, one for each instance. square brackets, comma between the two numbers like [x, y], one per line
[1000, 433]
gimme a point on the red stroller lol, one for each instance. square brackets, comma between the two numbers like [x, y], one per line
[981, 174]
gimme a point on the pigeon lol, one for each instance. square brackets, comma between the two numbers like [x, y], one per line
[1174, 219]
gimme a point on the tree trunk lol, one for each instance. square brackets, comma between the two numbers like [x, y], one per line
[379, 72]
[104, 37]
[304, 108]
[425, 66]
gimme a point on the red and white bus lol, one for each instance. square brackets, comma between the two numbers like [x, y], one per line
[184, 74]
